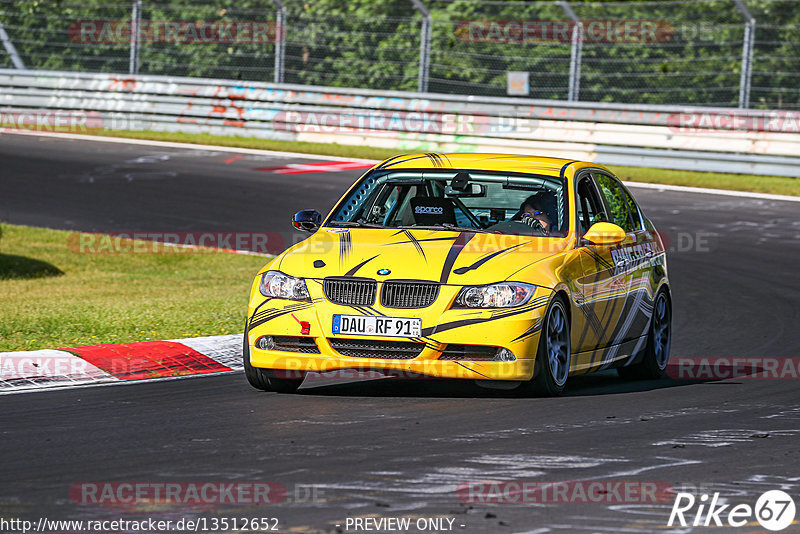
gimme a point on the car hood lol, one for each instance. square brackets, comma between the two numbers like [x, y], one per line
[451, 257]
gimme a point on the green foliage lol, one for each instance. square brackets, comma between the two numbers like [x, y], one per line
[376, 44]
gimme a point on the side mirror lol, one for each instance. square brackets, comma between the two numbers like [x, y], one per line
[307, 220]
[603, 233]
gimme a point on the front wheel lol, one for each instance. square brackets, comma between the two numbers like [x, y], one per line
[553, 354]
[656, 353]
[267, 379]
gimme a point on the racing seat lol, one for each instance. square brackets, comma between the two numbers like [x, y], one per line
[432, 211]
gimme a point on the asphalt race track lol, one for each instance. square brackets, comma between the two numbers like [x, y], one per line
[385, 448]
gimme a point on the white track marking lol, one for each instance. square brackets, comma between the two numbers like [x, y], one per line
[37, 369]
[226, 350]
[708, 191]
[48, 369]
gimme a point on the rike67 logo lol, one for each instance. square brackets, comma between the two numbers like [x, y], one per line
[774, 510]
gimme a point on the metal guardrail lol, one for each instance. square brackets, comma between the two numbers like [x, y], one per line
[640, 135]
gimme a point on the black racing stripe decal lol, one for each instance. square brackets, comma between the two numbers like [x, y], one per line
[587, 307]
[345, 246]
[605, 322]
[385, 163]
[481, 261]
[469, 369]
[592, 322]
[458, 245]
[512, 275]
[290, 307]
[599, 259]
[564, 168]
[366, 310]
[532, 305]
[530, 332]
[477, 320]
[255, 311]
[417, 246]
[422, 240]
[403, 161]
[432, 157]
[355, 269]
[268, 315]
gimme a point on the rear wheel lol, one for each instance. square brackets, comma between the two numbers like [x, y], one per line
[553, 355]
[656, 352]
[268, 379]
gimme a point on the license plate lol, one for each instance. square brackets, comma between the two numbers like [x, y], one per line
[368, 325]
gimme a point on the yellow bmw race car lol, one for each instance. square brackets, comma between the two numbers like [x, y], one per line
[478, 266]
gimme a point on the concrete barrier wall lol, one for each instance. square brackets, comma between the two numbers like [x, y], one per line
[707, 139]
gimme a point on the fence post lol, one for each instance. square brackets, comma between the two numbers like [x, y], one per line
[136, 21]
[424, 46]
[11, 49]
[575, 54]
[280, 36]
[748, 42]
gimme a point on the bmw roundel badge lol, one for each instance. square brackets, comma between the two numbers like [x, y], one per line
[384, 272]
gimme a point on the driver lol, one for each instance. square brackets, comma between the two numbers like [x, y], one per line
[538, 211]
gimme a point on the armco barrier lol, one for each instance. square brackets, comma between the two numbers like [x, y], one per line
[707, 139]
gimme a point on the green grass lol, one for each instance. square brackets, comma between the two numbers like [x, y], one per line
[777, 185]
[54, 297]
[737, 182]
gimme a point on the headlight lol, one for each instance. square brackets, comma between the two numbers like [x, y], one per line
[282, 286]
[503, 295]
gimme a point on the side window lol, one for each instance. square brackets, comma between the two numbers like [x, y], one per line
[619, 203]
[590, 209]
[385, 204]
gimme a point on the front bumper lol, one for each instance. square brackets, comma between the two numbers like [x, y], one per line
[514, 329]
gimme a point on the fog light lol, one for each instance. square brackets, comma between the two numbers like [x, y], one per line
[504, 355]
[266, 343]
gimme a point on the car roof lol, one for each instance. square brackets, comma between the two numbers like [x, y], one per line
[486, 162]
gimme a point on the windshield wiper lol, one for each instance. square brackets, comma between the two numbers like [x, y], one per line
[361, 223]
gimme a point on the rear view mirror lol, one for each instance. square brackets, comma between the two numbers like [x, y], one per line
[603, 233]
[307, 220]
[470, 190]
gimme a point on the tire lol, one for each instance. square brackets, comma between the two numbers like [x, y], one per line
[554, 353]
[659, 338]
[267, 379]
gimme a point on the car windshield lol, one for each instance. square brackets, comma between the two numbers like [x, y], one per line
[507, 203]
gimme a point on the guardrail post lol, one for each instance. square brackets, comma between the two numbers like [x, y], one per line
[424, 46]
[280, 36]
[11, 49]
[576, 53]
[748, 42]
[136, 21]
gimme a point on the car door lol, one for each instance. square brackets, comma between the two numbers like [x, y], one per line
[632, 266]
[603, 289]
